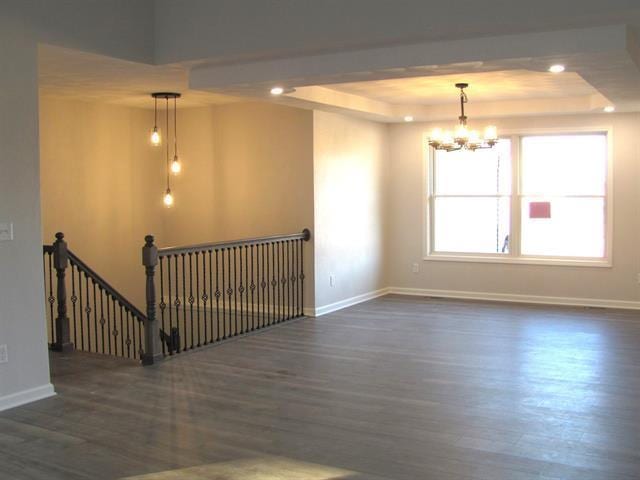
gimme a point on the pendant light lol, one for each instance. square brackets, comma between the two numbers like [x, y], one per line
[461, 137]
[155, 134]
[174, 166]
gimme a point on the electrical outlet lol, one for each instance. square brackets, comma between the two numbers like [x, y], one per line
[332, 280]
[415, 268]
[4, 354]
[6, 232]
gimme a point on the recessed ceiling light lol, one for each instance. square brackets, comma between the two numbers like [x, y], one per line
[408, 118]
[556, 68]
[609, 109]
[277, 91]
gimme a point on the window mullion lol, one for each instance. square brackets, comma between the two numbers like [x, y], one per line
[516, 199]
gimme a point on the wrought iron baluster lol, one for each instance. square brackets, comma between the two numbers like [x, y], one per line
[176, 301]
[129, 335]
[240, 291]
[122, 331]
[253, 289]
[74, 300]
[217, 294]
[108, 322]
[202, 296]
[211, 294]
[102, 320]
[140, 337]
[302, 277]
[80, 309]
[115, 330]
[191, 300]
[279, 283]
[95, 315]
[162, 306]
[289, 283]
[262, 283]
[52, 300]
[224, 307]
[235, 293]
[184, 301]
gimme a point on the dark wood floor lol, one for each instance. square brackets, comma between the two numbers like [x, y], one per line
[395, 388]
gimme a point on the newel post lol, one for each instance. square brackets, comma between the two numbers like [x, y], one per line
[152, 347]
[60, 263]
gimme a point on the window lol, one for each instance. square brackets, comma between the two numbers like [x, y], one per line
[531, 198]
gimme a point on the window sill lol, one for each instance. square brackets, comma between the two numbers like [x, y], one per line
[557, 262]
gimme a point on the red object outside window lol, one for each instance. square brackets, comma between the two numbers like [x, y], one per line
[540, 210]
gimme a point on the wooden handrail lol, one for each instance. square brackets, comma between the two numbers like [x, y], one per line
[83, 267]
[163, 252]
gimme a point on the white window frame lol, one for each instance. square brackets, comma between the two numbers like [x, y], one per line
[514, 256]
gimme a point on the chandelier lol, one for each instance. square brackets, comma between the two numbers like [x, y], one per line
[461, 137]
[174, 166]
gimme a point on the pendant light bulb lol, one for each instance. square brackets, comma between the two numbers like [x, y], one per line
[155, 137]
[176, 166]
[168, 198]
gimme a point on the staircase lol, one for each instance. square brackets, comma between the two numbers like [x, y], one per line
[196, 295]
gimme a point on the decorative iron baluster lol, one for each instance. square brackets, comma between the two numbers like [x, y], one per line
[74, 300]
[217, 294]
[51, 300]
[191, 300]
[162, 305]
[204, 300]
[224, 307]
[252, 287]
[240, 291]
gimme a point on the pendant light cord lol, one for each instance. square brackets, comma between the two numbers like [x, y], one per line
[175, 128]
[167, 111]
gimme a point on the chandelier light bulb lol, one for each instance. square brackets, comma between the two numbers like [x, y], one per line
[474, 138]
[491, 133]
[277, 91]
[461, 133]
[155, 137]
[436, 135]
[447, 138]
[176, 165]
[168, 198]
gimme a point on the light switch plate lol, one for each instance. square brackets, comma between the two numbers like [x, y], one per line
[6, 232]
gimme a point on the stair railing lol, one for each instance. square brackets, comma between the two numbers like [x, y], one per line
[216, 291]
[208, 293]
[99, 319]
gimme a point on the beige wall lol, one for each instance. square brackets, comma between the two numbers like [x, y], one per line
[247, 171]
[406, 223]
[101, 185]
[350, 167]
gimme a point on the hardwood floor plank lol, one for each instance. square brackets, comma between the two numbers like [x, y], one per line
[395, 388]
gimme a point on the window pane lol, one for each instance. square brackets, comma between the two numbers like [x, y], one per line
[563, 227]
[564, 165]
[483, 172]
[471, 225]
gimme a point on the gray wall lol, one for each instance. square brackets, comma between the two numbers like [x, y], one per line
[616, 284]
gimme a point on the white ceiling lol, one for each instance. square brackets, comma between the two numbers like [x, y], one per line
[86, 76]
[483, 87]
[508, 77]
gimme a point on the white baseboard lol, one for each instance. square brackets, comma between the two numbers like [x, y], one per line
[507, 297]
[347, 302]
[26, 396]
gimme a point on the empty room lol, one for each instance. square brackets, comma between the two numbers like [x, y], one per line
[323, 240]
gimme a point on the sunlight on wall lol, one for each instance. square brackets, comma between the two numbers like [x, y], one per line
[262, 468]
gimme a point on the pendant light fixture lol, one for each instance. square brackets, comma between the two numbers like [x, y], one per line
[155, 134]
[462, 137]
[171, 166]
